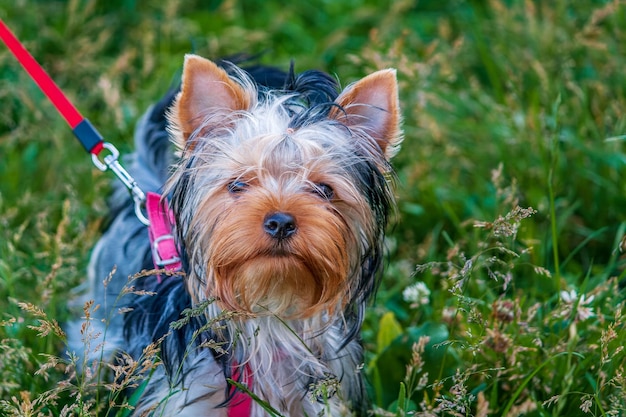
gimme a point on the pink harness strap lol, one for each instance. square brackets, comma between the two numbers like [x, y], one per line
[241, 403]
[164, 251]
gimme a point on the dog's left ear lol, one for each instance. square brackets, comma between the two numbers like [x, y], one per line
[371, 104]
[207, 98]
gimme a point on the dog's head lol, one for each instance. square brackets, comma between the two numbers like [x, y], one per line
[281, 205]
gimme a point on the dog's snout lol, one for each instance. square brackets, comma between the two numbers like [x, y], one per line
[279, 225]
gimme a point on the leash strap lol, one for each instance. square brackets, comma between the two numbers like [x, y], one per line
[82, 128]
[164, 251]
[87, 135]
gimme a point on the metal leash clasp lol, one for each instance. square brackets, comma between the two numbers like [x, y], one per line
[111, 162]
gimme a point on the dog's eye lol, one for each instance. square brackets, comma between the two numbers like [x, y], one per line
[324, 190]
[236, 187]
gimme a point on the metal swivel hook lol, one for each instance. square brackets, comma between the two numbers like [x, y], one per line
[111, 162]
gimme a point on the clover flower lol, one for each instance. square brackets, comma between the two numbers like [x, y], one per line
[416, 294]
[571, 300]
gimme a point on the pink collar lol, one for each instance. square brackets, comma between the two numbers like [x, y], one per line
[164, 252]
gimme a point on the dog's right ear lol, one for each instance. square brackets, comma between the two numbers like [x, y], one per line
[207, 97]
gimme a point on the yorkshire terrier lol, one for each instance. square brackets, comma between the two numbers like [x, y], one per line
[279, 191]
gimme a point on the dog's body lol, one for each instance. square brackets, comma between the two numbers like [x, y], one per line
[280, 198]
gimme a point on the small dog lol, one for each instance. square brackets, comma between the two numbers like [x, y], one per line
[280, 193]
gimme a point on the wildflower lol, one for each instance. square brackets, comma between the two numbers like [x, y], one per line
[416, 294]
[570, 298]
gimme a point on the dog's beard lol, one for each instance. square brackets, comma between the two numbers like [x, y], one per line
[296, 278]
[276, 285]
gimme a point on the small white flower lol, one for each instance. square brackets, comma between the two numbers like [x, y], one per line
[569, 297]
[583, 312]
[416, 294]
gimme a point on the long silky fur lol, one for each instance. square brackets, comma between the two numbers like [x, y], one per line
[288, 358]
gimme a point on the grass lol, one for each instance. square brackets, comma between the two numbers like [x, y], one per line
[488, 307]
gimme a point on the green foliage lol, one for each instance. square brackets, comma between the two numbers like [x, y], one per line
[488, 307]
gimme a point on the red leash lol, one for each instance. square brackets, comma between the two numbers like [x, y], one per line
[84, 131]
[82, 128]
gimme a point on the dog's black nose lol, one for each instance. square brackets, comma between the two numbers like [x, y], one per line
[279, 225]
